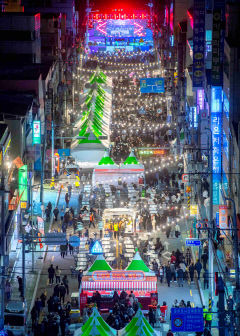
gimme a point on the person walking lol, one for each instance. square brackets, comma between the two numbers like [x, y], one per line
[67, 199]
[51, 273]
[177, 231]
[70, 249]
[168, 275]
[20, 285]
[62, 250]
[204, 259]
[80, 275]
[62, 212]
[62, 292]
[115, 229]
[188, 257]
[180, 275]
[91, 220]
[191, 271]
[8, 290]
[57, 274]
[161, 274]
[56, 212]
[206, 279]
[43, 299]
[198, 268]
[173, 272]
[65, 282]
[151, 316]
[34, 317]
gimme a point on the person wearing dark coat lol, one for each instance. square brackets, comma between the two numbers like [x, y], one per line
[204, 260]
[191, 271]
[62, 292]
[51, 273]
[198, 268]
[56, 290]
[152, 318]
[168, 275]
[56, 212]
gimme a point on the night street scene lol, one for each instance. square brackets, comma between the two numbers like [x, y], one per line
[119, 167]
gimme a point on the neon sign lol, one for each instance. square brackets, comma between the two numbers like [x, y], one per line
[118, 276]
[100, 28]
[216, 127]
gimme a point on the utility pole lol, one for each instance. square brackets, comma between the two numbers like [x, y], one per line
[31, 194]
[3, 245]
[236, 265]
[53, 163]
[23, 259]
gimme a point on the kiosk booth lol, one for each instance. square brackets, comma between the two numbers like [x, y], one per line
[124, 216]
[102, 278]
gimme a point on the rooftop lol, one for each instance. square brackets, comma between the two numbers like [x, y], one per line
[14, 104]
[24, 72]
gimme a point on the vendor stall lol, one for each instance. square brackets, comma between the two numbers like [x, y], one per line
[123, 217]
[137, 277]
[108, 172]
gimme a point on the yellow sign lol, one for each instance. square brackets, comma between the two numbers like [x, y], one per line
[193, 209]
[23, 205]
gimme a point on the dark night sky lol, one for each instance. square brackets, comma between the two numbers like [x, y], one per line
[112, 4]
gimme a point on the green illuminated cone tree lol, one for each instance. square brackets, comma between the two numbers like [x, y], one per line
[95, 326]
[139, 326]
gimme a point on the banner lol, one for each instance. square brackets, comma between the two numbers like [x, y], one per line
[198, 43]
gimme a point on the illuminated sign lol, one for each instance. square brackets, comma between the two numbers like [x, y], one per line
[216, 127]
[121, 28]
[36, 132]
[193, 209]
[223, 217]
[97, 248]
[193, 118]
[22, 183]
[152, 152]
[118, 276]
[200, 99]
[198, 43]
[152, 85]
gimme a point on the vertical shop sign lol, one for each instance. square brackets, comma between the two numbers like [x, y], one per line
[198, 43]
[217, 49]
[36, 132]
[22, 184]
[223, 217]
[216, 127]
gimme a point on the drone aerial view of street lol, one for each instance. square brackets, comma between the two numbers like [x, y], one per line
[119, 168]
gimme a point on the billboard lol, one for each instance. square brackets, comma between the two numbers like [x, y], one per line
[223, 217]
[152, 85]
[187, 319]
[198, 43]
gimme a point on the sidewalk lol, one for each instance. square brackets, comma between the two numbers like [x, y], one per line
[15, 257]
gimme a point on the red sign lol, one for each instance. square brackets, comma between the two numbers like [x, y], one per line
[223, 217]
[118, 276]
[185, 177]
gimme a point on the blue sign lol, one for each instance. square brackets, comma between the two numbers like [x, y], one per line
[74, 241]
[97, 248]
[152, 85]
[216, 127]
[198, 43]
[64, 152]
[193, 242]
[187, 319]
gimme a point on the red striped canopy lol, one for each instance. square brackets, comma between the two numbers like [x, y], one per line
[120, 285]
